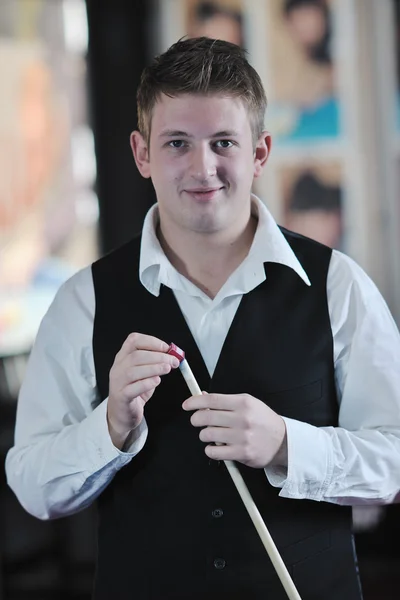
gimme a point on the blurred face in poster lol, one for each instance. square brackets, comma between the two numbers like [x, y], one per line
[314, 210]
[308, 23]
[216, 22]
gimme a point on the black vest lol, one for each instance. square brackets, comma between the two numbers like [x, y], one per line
[171, 523]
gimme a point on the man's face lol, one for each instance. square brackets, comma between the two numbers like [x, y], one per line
[202, 162]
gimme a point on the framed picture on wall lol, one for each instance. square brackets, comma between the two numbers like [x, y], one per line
[215, 19]
[304, 103]
[312, 200]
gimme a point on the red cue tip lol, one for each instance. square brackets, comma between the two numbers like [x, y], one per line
[175, 351]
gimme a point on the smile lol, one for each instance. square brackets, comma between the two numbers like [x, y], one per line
[204, 194]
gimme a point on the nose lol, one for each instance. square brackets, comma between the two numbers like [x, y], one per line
[203, 163]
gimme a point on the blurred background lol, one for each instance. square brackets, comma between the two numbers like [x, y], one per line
[69, 190]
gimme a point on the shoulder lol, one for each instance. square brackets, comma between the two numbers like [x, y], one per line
[73, 303]
[347, 278]
[78, 286]
[354, 300]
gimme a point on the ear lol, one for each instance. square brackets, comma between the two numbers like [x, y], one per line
[140, 153]
[261, 153]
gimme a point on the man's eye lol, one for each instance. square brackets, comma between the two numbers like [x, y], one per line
[176, 144]
[224, 144]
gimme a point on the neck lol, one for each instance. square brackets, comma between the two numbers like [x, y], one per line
[207, 260]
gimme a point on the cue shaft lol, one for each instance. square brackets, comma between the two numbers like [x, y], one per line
[249, 503]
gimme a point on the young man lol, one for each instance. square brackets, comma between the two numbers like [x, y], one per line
[292, 341]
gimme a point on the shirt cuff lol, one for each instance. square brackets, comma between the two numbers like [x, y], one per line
[98, 443]
[310, 463]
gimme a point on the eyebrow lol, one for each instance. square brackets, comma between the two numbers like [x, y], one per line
[174, 133]
[226, 133]
[183, 134]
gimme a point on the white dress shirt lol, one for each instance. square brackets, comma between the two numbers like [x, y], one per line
[64, 457]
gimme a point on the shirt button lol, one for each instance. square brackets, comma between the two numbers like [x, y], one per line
[219, 563]
[217, 513]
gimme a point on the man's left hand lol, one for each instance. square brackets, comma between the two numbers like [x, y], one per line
[249, 431]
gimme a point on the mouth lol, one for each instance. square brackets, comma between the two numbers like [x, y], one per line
[204, 194]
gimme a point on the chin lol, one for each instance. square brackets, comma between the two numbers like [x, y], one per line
[205, 226]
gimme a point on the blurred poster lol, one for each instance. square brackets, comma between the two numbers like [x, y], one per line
[48, 210]
[303, 100]
[312, 201]
[219, 20]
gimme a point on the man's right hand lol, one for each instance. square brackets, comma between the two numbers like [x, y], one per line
[134, 376]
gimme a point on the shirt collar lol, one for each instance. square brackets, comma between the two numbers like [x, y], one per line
[269, 245]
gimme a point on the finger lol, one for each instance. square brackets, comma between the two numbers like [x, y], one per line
[217, 435]
[146, 357]
[145, 371]
[141, 341]
[224, 452]
[123, 377]
[143, 386]
[212, 401]
[145, 396]
[216, 418]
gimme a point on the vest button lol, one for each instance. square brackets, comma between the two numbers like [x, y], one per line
[219, 563]
[217, 513]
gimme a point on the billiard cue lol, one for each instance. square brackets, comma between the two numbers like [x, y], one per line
[242, 488]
